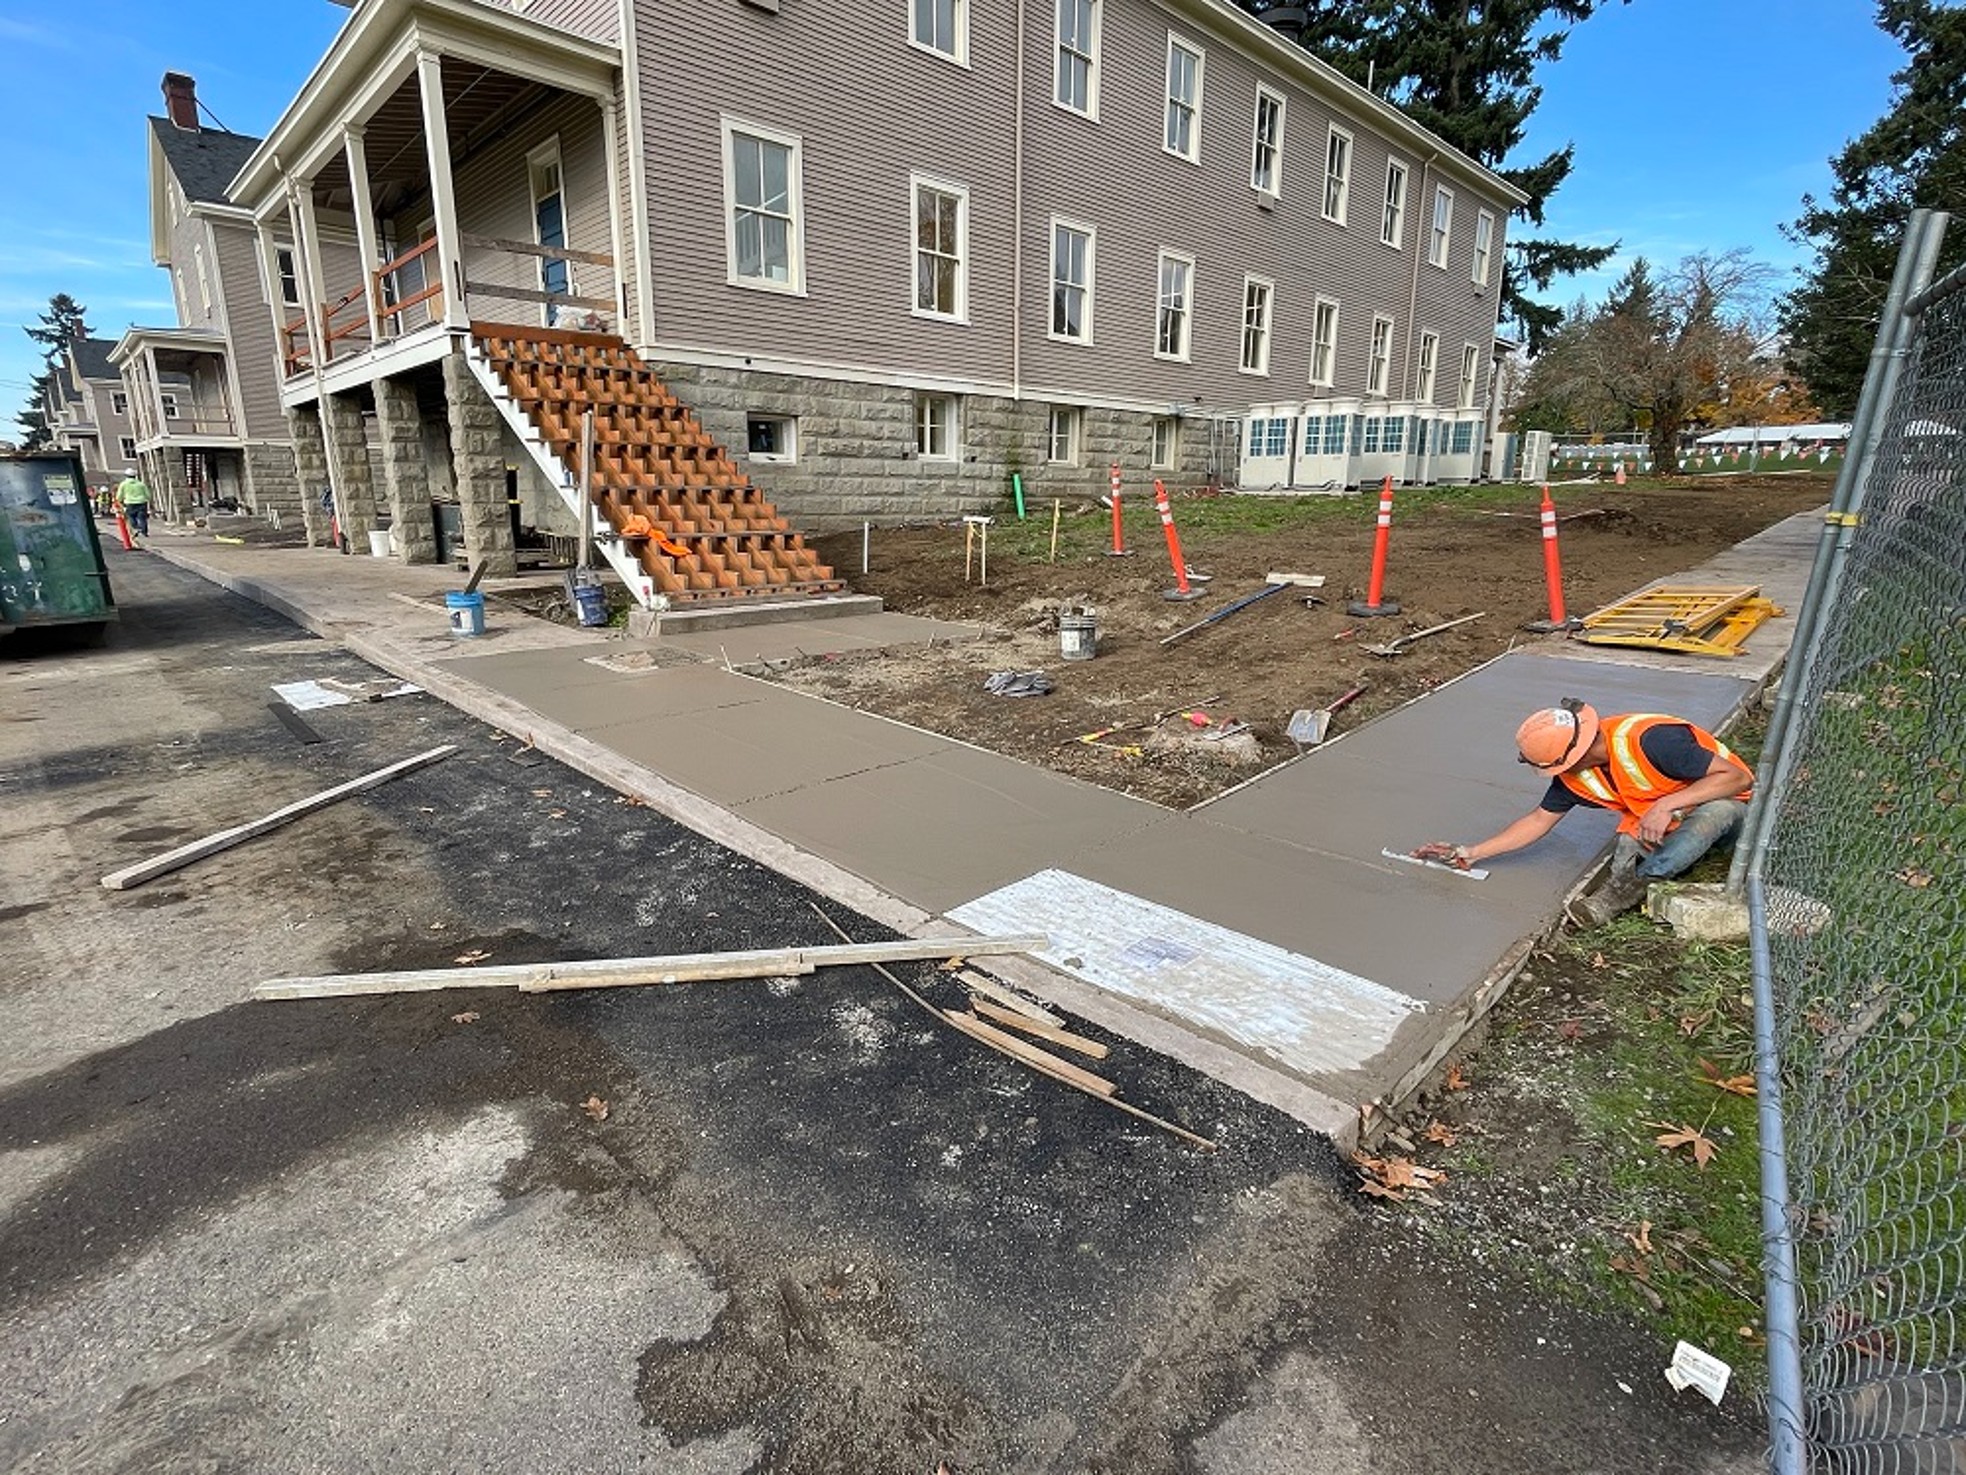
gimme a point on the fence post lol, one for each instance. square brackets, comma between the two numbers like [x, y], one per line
[1916, 259]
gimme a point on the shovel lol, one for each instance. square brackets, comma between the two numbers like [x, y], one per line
[1307, 728]
[1398, 647]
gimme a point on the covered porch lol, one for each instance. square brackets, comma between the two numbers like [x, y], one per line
[185, 417]
[447, 164]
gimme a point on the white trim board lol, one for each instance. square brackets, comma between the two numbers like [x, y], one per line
[1302, 1014]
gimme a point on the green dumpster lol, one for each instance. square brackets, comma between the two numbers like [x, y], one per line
[51, 569]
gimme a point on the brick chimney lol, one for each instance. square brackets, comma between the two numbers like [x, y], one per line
[181, 100]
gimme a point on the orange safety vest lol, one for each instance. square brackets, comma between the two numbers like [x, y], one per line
[1627, 782]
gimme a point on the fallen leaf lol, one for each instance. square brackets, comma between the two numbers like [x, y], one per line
[1915, 878]
[469, 1016]
[1692, 1024]
[596, 1109]
[1441, 1133]
[1747, 1334]
[1571, 1029]
[557, 814]
[542, 793]
[1741, 1085]
[1456, 1079]
[476, 955]
[950, 965]
[1637, 1269]
[1598, 960]
[1695, 1141]
[1642, 1241]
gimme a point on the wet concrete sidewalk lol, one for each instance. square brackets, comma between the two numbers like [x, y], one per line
[1262, 937]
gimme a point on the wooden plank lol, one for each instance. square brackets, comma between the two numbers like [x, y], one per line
[196, 850]
[529, 294]
[1044, 1032]
[976, 983]
[528, 248]
[1044, 1060]
[628, 972]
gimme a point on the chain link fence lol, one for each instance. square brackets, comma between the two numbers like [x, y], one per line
[1857, 890]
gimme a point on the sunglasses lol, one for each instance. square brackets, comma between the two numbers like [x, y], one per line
[1573, 706]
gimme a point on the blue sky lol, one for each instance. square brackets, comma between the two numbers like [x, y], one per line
[1699, 124]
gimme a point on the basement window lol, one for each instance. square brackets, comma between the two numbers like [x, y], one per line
[772, 438]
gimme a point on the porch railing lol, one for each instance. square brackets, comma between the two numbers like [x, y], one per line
[387, 284]
[296, 345]
[504, 293]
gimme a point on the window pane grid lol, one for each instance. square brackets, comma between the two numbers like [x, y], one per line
[1172, 340]
[937, 26]
[1324, 343]
[1071, 281]
[763, 224]
[1382, 355]
[1077, 21]
[1337, 175]
[938, 251]
[1443, 224]
[1393, 226]
[1183, 96]
[1256, 327]
[1269, 124]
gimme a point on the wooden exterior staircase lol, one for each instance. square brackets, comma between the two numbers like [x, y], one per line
[677, 518]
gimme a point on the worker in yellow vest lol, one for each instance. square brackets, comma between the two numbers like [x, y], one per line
[1678, 790]
[134, 498]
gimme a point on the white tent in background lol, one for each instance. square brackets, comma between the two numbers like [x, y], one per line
[1829, 433]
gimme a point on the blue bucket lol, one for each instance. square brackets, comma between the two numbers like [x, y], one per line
[467, 613]
[591, 603]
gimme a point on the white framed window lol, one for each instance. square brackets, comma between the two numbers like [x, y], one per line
[941, 27]
[1075, 64]
[1392, 221]
[1256, 295]
[1183, 135]
[763, 212]
[169, 399]
[1337, 174]
[1266, 144]
[1177, 307]
[1335, 430]
[1062, 436]
[289, 273]
[1394, 438]
[937, 431]
[1429, 357]
[119, 402]
[204, 277]
[773, 438]
[1470, 372]
[941, 250]
[1379, 363]
[1269, 438]
[1461, 438]
[1369, 439]
[1484, 247]
[1071, 281]
[1324, 342]
[128, 443]
[1443, 228]
[1167, 443]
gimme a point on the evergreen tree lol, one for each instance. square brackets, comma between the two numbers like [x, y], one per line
[65, 320]
[1914, 155]
[1467, 71]
[33, 421]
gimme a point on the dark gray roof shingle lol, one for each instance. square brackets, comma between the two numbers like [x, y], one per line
[92, 358]
[205, 160]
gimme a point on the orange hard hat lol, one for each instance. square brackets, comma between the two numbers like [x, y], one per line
[1556, 737]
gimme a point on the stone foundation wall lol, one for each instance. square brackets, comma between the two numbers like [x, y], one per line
[271, 485]
[310, 470]
[478, 460]
[405, 473]
[349, 465]
[856, 456]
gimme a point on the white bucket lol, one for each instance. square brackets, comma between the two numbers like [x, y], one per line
[1078, 634]
[378, 542]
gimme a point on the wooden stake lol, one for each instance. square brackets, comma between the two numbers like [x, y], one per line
[969, 548]
[1044, 1060]
[1055, 505]
[976, 983]
[533, 978]
[1046, 1032]
[184, 855]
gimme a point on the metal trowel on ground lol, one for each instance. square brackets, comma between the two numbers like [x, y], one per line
[1308, 728]
[1472, 873]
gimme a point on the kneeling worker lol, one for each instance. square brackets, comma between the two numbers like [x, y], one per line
[1679, 792]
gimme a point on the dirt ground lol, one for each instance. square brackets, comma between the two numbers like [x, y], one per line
[1453, 553]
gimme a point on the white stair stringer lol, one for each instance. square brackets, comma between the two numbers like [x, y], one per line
[626, 566]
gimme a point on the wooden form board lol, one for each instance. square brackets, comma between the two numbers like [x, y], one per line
[628, 972]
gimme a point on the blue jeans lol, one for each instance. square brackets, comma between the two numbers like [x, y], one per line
[1715, 822]
[139, 516]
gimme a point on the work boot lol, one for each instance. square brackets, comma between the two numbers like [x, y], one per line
[1619, 894]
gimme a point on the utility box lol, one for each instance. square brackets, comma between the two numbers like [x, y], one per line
[51, 568]
[1534, 463]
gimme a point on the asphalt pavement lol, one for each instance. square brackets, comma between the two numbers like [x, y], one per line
[788, 1225]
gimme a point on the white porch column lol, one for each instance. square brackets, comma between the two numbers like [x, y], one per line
[314, 282]
[364, 205]
[443, 195]
[617, 238]
[269, 268]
